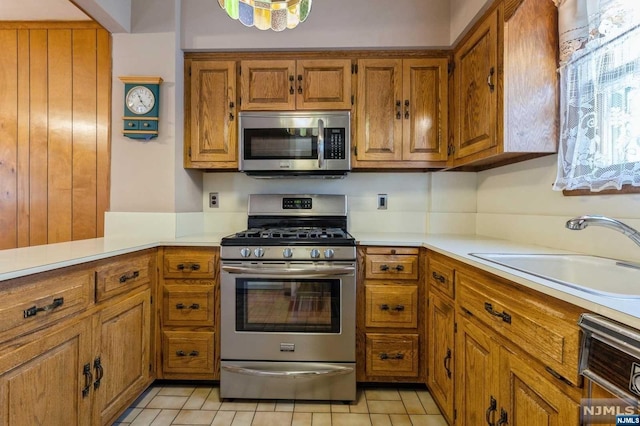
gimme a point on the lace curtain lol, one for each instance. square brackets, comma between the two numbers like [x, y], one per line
[600, 94]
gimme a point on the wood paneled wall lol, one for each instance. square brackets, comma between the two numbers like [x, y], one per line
[55, 115]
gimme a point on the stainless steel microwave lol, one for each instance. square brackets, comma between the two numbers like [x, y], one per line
[298, 143]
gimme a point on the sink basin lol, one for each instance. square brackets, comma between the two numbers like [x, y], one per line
[597, 275]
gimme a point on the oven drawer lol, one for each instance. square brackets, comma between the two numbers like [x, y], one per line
[392, 355]
[391, 306]
[188, 352]
[188, 305]
[534, 323]
[440, 276]
[181, 262]
[391, 266]
[119, 276]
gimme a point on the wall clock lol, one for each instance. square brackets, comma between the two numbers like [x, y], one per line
[141, 107]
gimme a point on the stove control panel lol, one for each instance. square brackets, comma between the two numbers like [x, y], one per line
[290, 253]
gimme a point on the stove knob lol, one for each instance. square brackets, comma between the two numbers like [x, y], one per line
[328, 253]
[315, 253]
[245, 252]
[259, 252]
[287, 253]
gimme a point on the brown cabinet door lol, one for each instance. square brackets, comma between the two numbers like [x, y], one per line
[379, 110]
[123, 345]
[268, 85]
[476, 375]
[529, 399]
[323, 84]
[211, 132]
[425, 109]
[440, 325]
[476, 90]
[43, 381]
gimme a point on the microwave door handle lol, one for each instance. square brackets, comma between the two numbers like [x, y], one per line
[320, 144]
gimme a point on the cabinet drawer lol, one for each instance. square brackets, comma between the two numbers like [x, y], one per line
[34, 302]
[392, 355]
[188, 305]
[391, 306]
[391, 267]
[537, 324]
[187, 352]
[440, 277]
[189, 263]
[123, 273]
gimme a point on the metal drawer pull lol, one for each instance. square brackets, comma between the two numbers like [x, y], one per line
[97, 364]
[447, 363]
[192, 266]
[384, 356]
[88, 379]
[399, 268]
[384, 307]
[384, 267]
[124, 278]
[493, 406]
[183, 353]
[328, 372]
[399, 308]
[436, 276]
[194, 353]
[505, 316]
[33, 311]
[193, 306]
[180, 353]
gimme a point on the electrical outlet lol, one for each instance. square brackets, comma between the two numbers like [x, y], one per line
[382, 201]
[214, 200]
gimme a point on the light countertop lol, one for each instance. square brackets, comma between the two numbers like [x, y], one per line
[30, 260]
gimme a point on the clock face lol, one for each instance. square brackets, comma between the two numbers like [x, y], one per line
[140, 100]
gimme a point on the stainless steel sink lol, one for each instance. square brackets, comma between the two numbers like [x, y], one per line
[597, 275]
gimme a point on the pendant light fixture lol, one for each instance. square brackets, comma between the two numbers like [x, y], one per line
[276, 15]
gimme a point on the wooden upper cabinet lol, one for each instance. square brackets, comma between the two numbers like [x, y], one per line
[210, 115]
[506, 86]
[476, 93]
[309, 84]
[402, 111]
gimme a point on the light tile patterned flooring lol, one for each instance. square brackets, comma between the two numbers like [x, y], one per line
[201, 405]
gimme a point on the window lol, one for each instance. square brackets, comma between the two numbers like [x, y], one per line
[600, 96]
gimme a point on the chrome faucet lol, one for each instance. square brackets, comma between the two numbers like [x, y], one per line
[581, 222]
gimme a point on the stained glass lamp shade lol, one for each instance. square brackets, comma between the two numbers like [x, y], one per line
[276, 15]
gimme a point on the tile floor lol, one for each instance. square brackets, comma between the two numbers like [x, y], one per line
[201, 405]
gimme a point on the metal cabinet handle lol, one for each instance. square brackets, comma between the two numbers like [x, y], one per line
[493, 406]
[192, 266]
[33, 311]
[398, 110]
[124, 278]
[299, 83]
[88, 380]
[231, 116]
[291, 90]
[503, 418]
[447, 363]
[505, 316]
[436, 276]
[490, 78]
[97, 365]
[406, 109]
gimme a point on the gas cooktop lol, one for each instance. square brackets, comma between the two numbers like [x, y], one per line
[290, 235]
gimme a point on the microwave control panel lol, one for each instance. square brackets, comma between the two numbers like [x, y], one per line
[334, 144]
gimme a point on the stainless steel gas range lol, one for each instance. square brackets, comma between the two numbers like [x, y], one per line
[288, 300]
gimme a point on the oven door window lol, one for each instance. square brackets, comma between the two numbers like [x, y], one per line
[283, 144]
[288, 305]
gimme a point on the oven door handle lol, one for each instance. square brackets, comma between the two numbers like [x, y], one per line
[333, 371]
[316, 272]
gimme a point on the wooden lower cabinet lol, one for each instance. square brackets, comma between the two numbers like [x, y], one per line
[43, 381]
[123, 347]
[440, 365]
[496, 386]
